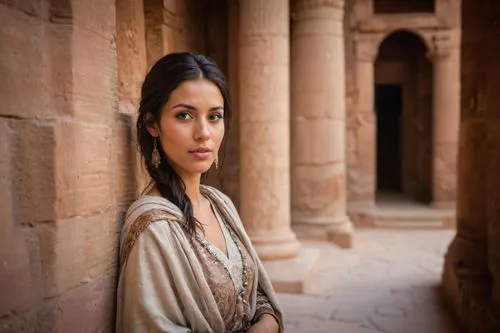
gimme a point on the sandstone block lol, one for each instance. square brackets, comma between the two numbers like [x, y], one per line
[84, 169]
[33, 171]
[319, 190]
[125, 161]
[130, 48]
[263, 83]
[318, 141]
[265, 145]
[77, 250]
[94, 85]
[20, 272]
[260, 18]
[97, 17]
[266, 197]
[472, 157]
[89, 307]
[5, 177]
[37, 9]
[23, 65]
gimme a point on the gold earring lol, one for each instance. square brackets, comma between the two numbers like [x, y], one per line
[216, 163]
[155, 156]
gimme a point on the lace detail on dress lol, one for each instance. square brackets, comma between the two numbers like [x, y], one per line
[224, 276]
[232, 262]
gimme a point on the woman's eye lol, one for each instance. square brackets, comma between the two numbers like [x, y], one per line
[184, 116]
[215, 117]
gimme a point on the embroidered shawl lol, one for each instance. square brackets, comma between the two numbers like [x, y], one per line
[162, 286]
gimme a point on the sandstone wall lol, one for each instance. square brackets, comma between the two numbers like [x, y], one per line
[58, 195]
[71, 73]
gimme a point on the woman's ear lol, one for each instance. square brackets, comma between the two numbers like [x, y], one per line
[151, 125]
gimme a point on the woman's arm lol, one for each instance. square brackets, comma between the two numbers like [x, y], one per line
[265, 319]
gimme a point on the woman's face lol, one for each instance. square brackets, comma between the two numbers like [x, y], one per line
[191, 126]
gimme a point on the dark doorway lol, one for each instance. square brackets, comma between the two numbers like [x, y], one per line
[389, 107]
[403, 100]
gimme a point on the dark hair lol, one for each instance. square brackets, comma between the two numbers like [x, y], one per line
[163, 78]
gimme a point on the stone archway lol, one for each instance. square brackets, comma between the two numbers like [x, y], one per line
[403, 108]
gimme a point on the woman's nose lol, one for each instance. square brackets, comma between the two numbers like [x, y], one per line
[202, 132]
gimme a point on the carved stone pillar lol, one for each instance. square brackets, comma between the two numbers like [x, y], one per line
[362, 170]
[264, 127]
[318, 121]
[446, 120]
[468, 277]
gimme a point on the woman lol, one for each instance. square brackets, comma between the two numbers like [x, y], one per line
[186, 263]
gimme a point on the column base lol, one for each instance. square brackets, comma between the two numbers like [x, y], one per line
[292, 275]
[467, 288]
[444, 205]
[276, 245]
[339, 231]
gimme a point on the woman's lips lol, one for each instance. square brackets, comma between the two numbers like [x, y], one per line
[201, 154]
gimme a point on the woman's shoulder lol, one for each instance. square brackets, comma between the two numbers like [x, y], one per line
[152, 205]
[151, 215]
[146, 211]
[217, 194]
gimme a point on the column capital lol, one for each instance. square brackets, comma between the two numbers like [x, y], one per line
[303, 5]
[443, 46]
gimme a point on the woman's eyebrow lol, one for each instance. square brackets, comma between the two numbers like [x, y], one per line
[215, 108]
[190, 107]
[187, 106]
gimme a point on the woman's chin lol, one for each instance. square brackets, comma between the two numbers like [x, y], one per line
[200, 168]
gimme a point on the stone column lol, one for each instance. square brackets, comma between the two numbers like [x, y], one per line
[264, 127]
[467, 279]
[492, 196]
[231, 171]
[362, 181]
[131, 177]
[318, 121]
[446, 120]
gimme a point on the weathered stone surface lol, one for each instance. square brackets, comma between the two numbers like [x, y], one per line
[318, 132]
[319, 141]
[76, 250]
[387, 283]
[320, 192]
[94, 87]
[471, 270]
[20, 270]
[231, 177]
[173, 26]
[96, 299]
[84, 179]
[129, 176]
[446, 121]
[264, 126]
[33, 171]
[6, 190]
[23, 73]
[131, 52]
[88, 307]
[20, 274]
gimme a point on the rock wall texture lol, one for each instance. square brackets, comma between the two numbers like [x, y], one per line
[71, 73]
[471, 273]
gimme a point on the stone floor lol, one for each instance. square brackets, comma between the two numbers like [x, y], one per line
[388, 283]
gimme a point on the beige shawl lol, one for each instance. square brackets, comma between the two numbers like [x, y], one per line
[161, 285]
